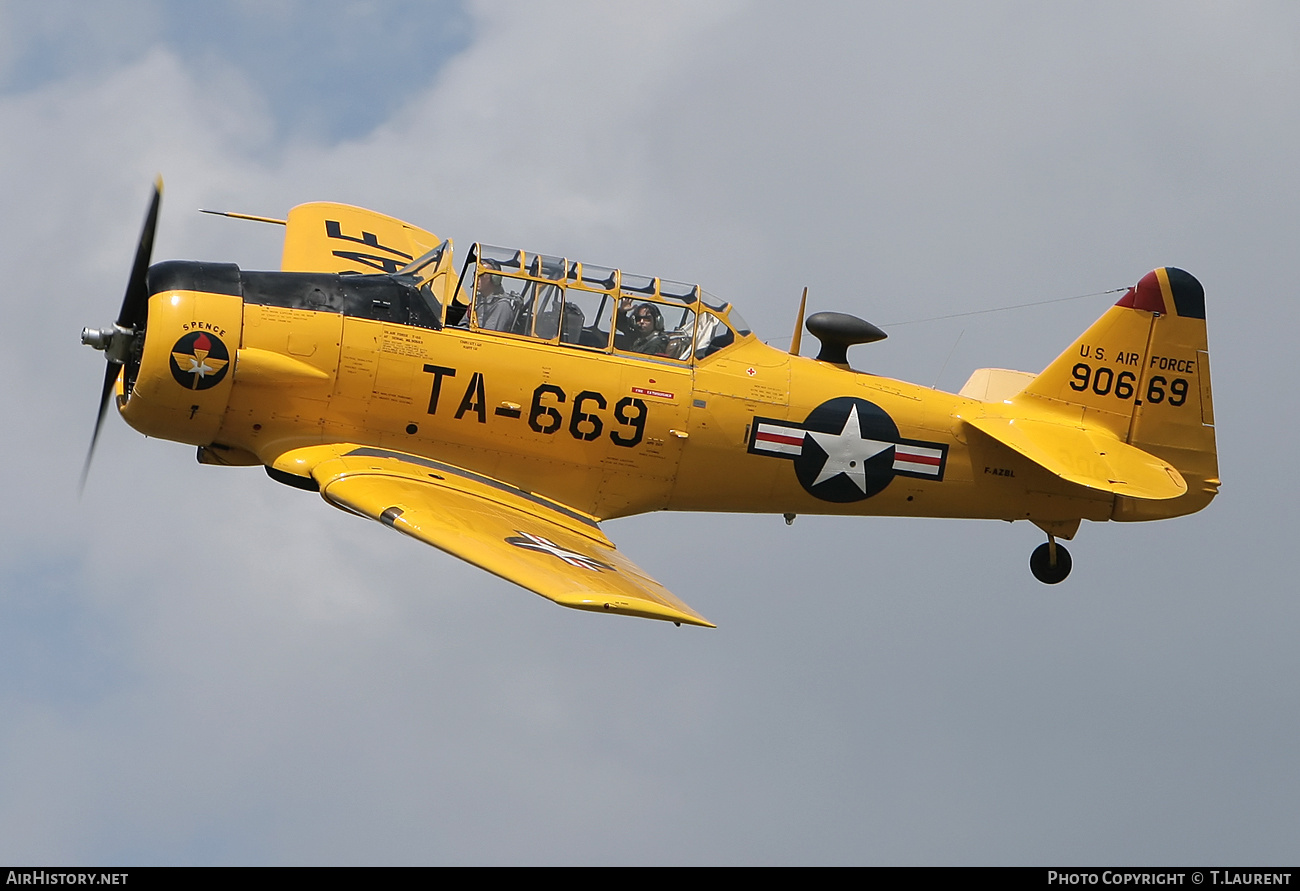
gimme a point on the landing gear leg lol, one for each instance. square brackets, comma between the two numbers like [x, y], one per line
[1050, 563]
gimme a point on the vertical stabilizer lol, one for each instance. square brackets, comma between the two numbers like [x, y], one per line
[1142, 374]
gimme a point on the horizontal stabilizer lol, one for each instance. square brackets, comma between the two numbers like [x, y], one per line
[995, 384]
[1086, 457]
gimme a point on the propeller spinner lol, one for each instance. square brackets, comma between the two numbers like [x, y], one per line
[120, 340]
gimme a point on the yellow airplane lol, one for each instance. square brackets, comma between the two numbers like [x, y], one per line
[502, 409]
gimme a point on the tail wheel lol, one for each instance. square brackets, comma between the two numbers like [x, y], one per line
[1050, 563]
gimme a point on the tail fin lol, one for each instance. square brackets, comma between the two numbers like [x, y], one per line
[1142, 374]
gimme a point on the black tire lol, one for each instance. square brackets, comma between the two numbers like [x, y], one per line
[1040, 564]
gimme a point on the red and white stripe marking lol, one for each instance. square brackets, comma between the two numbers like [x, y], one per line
[917, 459]
[777, 439]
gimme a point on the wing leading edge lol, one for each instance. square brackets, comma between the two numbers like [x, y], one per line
[522, 537]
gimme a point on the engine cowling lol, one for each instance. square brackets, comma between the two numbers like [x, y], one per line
[181, 385]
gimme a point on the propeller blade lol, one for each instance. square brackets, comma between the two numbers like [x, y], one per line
[130, 320]
[135, 303]
[110, 380]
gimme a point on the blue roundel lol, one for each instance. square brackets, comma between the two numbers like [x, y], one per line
[848, 450]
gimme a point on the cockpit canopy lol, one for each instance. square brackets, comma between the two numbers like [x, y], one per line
[578, 305]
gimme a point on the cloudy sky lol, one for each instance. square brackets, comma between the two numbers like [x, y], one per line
[200, 666]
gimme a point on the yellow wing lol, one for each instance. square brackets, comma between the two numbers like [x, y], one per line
[532, 541]
[1087, 457]
[327, 237]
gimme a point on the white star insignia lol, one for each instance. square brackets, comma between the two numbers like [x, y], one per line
[199, 367]
[537, 543]
[847, 452]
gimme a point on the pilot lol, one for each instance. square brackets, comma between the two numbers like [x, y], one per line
[493, 308]
[643, 329]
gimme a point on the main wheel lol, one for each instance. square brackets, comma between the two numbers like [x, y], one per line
[1040, 563]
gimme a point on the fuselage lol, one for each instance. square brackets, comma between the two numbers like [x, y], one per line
[606, 431]
[500, 409]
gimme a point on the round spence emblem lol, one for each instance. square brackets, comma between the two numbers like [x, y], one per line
[199, 361]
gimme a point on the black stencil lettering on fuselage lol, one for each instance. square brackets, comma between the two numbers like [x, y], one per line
[438, 372]
[544, 417]
[474, 400]
[636, 422]
[585, 425]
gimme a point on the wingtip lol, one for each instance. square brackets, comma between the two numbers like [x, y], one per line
[691, 618]
[643, 609]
